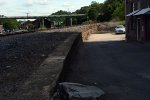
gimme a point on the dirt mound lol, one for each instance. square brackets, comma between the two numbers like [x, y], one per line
[106, 26]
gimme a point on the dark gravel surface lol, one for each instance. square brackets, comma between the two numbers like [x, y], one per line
[21, 54]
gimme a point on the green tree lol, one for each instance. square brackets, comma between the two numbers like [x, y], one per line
[61, 12]
[110, 9]
[113, 9]
[96, 5]
[93, 14]
[83, 10]
[92, 11]
[60, 20]
[119, 12]
[10, 24]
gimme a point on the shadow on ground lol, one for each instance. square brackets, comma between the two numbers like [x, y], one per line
[120, 68]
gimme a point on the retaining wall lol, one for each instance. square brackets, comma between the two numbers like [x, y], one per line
[86, 30]
[42, 82]
[40, 85]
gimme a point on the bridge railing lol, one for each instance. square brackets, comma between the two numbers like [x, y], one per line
[35, 17]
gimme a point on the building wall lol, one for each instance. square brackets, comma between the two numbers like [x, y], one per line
[131, 21]
[138, 4]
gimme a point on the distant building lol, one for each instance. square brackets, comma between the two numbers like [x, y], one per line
[37, 24]
[138, 20]
[26, 24]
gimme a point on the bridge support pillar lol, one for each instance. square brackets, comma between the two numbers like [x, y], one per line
[68, 21]
[42, 24]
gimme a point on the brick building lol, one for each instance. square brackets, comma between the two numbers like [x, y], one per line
[138, 20]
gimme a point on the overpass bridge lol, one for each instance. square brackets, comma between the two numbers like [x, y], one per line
[50, 16]
[68, 18]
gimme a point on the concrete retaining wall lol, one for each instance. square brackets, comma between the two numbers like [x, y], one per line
[40, 85]
[42, 82]
[86, 30]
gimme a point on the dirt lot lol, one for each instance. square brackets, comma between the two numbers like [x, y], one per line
[99, 37]
[21, 54]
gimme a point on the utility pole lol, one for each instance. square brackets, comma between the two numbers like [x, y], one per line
[27, 19]
[27, 15]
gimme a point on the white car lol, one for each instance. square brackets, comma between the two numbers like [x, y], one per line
[120, 29]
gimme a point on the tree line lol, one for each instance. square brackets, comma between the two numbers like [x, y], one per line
[97, 12]
[110, 9]
[10, 24]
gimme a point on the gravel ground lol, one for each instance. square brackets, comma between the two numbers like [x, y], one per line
[21, 54]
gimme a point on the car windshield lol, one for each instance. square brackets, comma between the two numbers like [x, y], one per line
[120, 26]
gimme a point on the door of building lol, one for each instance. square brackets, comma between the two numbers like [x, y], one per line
[148, 28]
[138, 29]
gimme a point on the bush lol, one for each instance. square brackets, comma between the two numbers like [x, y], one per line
[88, 22]
[121, 23]
[93, 14]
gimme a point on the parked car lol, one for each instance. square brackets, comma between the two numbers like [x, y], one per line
[120, 29]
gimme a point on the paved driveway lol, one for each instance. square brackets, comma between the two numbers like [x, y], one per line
[120, 68]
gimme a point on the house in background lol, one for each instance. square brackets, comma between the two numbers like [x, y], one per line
[36, 24]
[138, 20]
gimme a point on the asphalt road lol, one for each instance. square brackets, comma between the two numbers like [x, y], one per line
[120, 68]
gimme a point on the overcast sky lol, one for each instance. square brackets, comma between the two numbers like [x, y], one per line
[40, 7]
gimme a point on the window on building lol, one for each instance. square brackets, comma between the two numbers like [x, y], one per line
[138, 5]
[133, 7]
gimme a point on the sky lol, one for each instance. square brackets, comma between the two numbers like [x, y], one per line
[40, 7]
